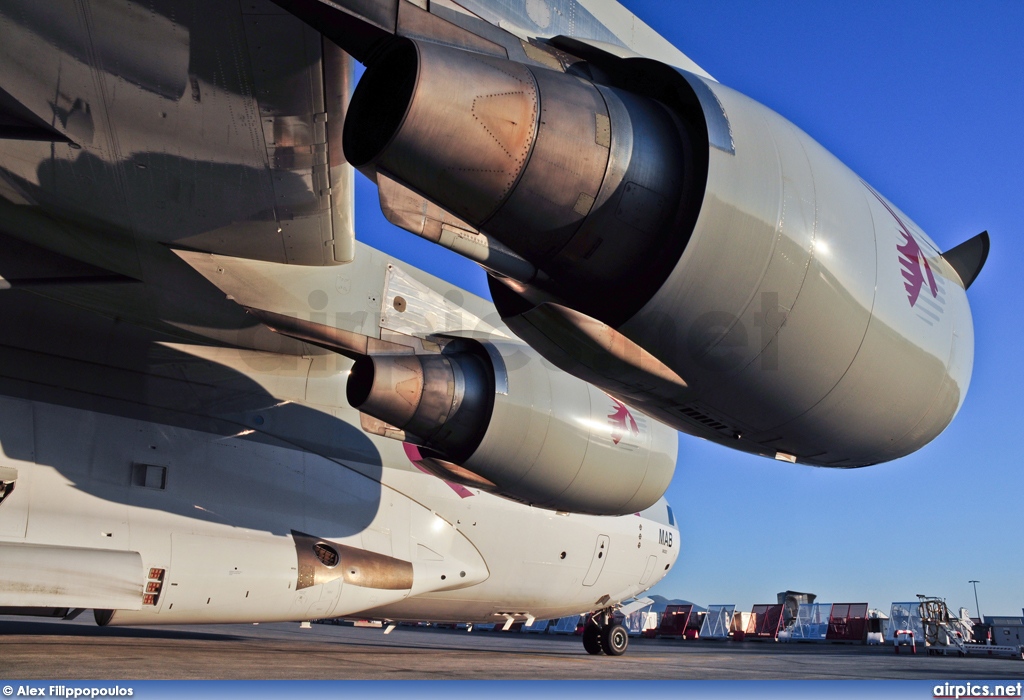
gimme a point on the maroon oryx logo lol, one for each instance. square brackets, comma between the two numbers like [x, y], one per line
[916, 270]
[622, 422]
[915, 267]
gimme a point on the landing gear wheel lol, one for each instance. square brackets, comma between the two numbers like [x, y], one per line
[614, 639]
[602, 635]
[592, 640]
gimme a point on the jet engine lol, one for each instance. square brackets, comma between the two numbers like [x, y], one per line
[494, 416]
[807, 318]
[581, 179]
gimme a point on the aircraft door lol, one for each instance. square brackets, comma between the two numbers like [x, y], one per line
[648, 570]
[597, 562]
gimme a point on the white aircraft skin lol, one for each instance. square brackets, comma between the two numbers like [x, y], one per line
[221, 526]
[188, 318]
[117, 478]
[166, 467]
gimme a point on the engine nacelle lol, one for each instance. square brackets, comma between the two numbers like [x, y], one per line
[493, 415]
[581, 179]
[811, 319]
[808, 318]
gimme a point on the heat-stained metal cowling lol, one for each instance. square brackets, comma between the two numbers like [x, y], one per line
[440, 400]
[585, 181]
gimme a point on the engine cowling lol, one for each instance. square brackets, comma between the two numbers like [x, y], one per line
[579, 178]
[493, 415]
[810, 319]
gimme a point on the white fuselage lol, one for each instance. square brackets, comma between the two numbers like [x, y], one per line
[221, 507]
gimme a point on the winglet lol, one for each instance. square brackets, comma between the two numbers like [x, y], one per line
[968, 258]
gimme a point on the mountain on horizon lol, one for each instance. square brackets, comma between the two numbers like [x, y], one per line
[661, 602]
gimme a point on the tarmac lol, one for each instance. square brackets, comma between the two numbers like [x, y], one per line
[38, 649]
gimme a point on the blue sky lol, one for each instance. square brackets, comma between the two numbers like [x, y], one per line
[925, 101]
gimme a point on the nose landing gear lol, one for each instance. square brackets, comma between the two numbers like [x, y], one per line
[603, 635]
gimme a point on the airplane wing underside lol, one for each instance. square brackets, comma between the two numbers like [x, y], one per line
[158, 158]
[188, 125]
[125, 134]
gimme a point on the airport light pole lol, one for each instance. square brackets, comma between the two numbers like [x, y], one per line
[976, 606]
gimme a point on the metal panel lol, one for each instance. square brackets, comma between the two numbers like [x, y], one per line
[598, 560]
[412, 308]
[648, 570]
[338, 69]
[213, 577]
[69, 577]
[719, 130]
[322, 561]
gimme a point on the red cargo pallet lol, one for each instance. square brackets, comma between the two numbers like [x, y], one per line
[765, 621]
[674, 621]
[847, 623]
